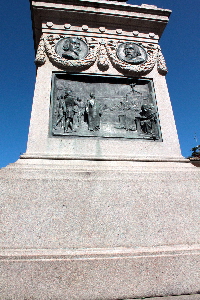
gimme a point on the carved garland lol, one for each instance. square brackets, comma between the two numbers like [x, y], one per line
[81, 64]
[123, 66]
[101, 52]
[103, 62]
[48, 43]
[161, 65]
[40, 56]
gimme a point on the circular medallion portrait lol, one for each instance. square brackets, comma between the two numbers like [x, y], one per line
[131, 53]
[72, 48]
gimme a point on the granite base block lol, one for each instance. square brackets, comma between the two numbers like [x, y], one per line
[99, 230]
[100, 274]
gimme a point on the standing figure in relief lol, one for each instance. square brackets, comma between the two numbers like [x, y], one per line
[130, 124]
[126, 117]
[121, 116]
[93, 113]
[69, 111]
[60, 112]
[78, 113]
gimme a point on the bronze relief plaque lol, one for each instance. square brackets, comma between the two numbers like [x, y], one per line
[72, 48]
[103, 106]
[131, 53]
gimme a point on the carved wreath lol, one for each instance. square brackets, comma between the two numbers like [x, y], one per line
[153, 55]
[48, 45]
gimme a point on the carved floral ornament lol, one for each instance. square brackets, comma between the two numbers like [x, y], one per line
[89, 50]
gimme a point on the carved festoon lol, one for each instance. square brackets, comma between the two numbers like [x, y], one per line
[161, 64]
[102, 106]
[103, 61]
[40, 55]
[142, 64]
[80, 53]
[55, 46]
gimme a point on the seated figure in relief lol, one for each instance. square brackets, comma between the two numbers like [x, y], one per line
[148, 120]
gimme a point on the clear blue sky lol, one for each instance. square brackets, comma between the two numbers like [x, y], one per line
[180, 45]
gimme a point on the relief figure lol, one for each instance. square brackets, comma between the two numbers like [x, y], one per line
[148, 120]
[68, 111]
[130, 119]
[131, 53]
[103, 107]
[60, 118]
[78, 113]
[126, 117]
[93, 113]
[121, 116]
[71, 48]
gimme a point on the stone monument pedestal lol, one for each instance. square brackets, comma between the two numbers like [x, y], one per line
[99, 229]
[102, 205]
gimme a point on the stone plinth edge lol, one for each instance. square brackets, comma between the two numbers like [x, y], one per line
[105, 158]
[100, 273]
[174, 297]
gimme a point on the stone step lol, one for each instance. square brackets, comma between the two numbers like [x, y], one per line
[182, 297]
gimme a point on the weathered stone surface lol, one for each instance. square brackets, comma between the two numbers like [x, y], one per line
[103, 30]
[183, 297]
[92, 217]
[91, 230]
[100, 204]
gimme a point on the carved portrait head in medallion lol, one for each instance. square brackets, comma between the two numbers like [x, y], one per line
[72, 48]
[131, 53]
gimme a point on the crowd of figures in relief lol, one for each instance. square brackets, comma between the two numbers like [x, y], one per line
[94, 116]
